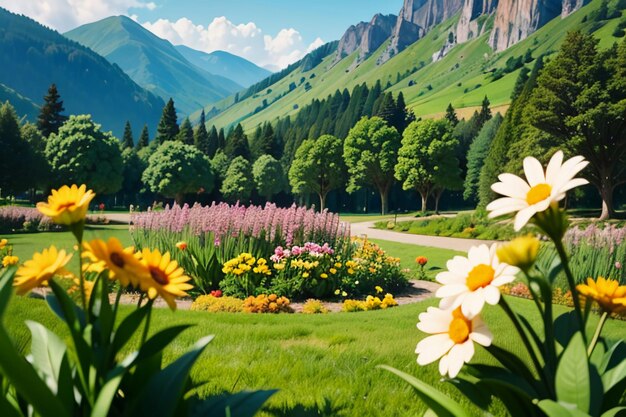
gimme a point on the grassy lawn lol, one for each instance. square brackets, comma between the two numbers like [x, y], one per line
[325, 364]
[407, 254]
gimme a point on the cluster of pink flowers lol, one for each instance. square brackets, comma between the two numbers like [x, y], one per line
[309, 248]
[288, 226]
[608, 237]
[15, 218]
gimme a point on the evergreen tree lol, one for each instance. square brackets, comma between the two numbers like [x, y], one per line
[451, 115]
[520, 83]
[401, 116]
[237, 144]
[15, 157]
[201, 137]
[476, 156]
[213, 141]
[485, 113]
[373, 95]
[267, 144]
[221, 139]
[168, 125]
[50, 118]
[185, 134]
[127, 140]
[144, 138]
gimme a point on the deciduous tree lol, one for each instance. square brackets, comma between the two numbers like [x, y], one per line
[269, 177]
[238, 183]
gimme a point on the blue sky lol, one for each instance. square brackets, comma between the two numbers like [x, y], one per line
[270, 33]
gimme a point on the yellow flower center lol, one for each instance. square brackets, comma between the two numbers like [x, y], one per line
[460, 327]
[117, 260]
[67, 205]
[480, 277]
[538, 193]
[159, 276]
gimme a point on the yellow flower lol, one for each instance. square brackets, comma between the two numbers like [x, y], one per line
[520, 252]
[181, 245]
[87, 285]
[165, 277]
[332, 271]
[337, 292]
[67, 205]
[343, 293]
[39, 270]
[324, 276]
[378, 289]
[121, 262]
[337, 264]
[305, 275]
[609, 295]
[3, 243]
[10, 260]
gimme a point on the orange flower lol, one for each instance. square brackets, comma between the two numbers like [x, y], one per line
[422, 260]
[610, 296]
[181, 245]
[121, 262]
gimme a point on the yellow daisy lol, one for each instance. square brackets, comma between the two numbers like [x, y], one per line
[39, 270]
[165, 277]
[3, 243]
[121, 262]
[610, 296]
[67, 205]
[10, 260]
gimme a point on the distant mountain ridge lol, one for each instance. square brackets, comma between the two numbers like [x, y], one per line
[225, 64]
[153, 63]
[33, 57]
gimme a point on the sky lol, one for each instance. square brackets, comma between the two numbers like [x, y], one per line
[270, 33]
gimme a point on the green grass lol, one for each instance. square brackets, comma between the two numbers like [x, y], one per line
[325, 364]
[359, 218]
[407, 253]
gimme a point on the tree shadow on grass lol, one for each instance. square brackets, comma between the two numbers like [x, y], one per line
[326, 409]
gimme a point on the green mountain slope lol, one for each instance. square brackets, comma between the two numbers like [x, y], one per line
[23, 105]
[33, 57]
[225, 64]
[153, 63]
[462, 77]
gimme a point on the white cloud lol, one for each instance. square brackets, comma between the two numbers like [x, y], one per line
[246, 40]
[64, 15]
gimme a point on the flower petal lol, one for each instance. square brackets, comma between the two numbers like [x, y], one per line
[533, 171]
[523, 216]
[432, 348]
[473, 304]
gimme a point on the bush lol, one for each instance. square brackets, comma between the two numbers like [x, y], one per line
[17, 219]
[217, 304]
[312, 306]
[267, 304]
[370, 303]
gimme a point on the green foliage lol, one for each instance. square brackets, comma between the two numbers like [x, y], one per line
[201, 139]
[220, 164]
[476, 156]
[50, 118]
[133, 169]
[269, 178]
[38, 166]
[238, 183]
[185, 134]
[426, 160]
[144, 138]
[17, 157]
[127, 139]
[318, 167]
[237, 144]
[580, 99]
[370, 153]
[168, 125]
[175, 169]
[451, 115]
[82, 154]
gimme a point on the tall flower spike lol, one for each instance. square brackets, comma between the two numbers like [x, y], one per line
[540, 189]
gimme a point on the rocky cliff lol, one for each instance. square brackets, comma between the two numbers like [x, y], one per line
[468, 26]
[366, 37]
[516, 19]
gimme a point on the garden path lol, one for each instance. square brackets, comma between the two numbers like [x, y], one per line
[459, 244]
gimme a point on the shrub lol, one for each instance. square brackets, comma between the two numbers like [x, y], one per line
[312, 306]
[370, 303]
[267, 304]
[217, 304]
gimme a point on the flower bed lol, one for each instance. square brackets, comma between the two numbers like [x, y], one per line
[28, 219]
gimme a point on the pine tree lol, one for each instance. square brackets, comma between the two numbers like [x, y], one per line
[127, 141]
[50, 118]
[400, 120]
[221, 139]
[451, 115]
[213, 141]
[185, 134]
[201, 137]
[485, 112]
[168, 126]
[144, 138]
[237, 144]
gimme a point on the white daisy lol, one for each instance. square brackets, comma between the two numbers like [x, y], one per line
[539, 191]
[452, 341]
[473, 281]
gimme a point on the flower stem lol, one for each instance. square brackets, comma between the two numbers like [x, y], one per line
[558, 243]
[596, 335]
[531, 351]
[144, 336]
[81, 280]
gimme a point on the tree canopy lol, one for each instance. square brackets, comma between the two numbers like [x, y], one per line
[318, 167]
[168, 125]
[370, 153]
[81, 153]
[50, 117]
[127, 139]
[237, 144]
[16, 155]
[238, 183]
[269, 177]
[176, 169]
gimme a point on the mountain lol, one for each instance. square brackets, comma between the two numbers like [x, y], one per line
[452, 62]
[366, 37]
[240, 70]
[23, 105]
[33, 57]
[153, 63]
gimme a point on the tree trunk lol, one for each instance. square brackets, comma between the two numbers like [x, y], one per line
[424, 201]
[322, 201]
[384, 193]
[606, 193]
[437, 197]
[180, 199]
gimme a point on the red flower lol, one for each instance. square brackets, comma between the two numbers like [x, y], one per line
[422, 260]
[181, 245]
[216, 293]
[101, 206]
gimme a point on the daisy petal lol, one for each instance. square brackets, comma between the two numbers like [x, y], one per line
[492, 295]
[473, 304]
[451, 290]
[432, 348]
[554, 167]
[533, 171]
[523, 216]
[516, 183]
[455, 360]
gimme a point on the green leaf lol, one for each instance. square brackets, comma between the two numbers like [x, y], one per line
[107, 392]
[241, 404]
[558, 409]
[159, 341]
[614, 376]
[505, 378]
[6, 287]
[573, 375]
[565, 326]
[163, 393]
[434, 399]
[128, 327]
[469, 386]
[511, 362]
[614, 412]
[8, 408]
[614, 356]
